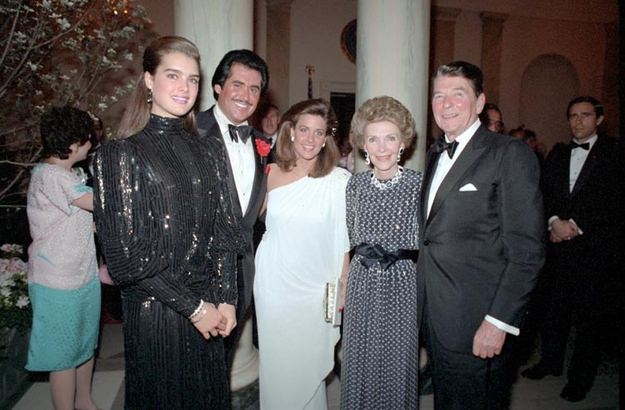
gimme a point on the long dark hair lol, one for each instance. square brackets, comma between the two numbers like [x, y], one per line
[137, 112]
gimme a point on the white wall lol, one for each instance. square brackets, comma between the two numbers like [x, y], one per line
[316, 27]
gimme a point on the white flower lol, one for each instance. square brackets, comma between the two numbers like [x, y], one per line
[22, 302]
[128, 56]
[33, 67]
[17, 266]
[4, 267]
[102, 106]
[46, 4]
[5, 291]
[63, 23]
[12, 248]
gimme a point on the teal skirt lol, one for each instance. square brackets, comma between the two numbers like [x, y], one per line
[65, 326]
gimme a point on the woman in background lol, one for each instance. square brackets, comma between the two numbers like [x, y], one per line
[63, 273]
[169, 237]
[305, 247]
[380, 329]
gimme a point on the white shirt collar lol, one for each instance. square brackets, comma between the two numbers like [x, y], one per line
[222, 120]
[464, 138]
[591, 141]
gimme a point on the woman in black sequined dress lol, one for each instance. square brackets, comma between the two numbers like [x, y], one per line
[170, 238]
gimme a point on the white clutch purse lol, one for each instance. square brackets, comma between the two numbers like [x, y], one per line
[331, 302]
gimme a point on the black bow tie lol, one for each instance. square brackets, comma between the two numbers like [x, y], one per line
[585, 145]
[241, 132]
[450, 147]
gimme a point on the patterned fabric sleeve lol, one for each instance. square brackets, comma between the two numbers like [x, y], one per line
[132, 241]
[62, 187]
[351, 204]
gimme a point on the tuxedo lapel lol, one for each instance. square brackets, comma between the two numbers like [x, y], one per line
[474, 149]
[432, 162]
[589, 165]
[256, 187]
[215, 132]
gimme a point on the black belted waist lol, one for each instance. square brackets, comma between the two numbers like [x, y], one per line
[376, 253]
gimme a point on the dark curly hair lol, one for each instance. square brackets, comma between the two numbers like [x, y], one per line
[63, 126]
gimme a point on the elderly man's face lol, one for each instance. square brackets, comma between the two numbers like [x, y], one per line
[455, 105]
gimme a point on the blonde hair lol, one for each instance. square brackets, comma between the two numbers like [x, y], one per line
[329, 155]
[383, 108]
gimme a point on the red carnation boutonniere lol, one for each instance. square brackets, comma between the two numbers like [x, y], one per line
[263, 147]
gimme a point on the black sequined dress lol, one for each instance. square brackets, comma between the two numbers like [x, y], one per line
[170, 238]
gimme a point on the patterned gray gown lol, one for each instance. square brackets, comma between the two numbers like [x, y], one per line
[380, 330]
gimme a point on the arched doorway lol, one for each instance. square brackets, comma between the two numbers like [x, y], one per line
[549, 82]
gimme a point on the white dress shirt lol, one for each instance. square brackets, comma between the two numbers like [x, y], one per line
[578, 158]
[442, 169]
[242, 160]
[445, 163]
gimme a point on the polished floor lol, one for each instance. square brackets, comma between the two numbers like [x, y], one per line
[527, 394]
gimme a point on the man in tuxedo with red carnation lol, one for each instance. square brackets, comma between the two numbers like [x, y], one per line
[239, 81]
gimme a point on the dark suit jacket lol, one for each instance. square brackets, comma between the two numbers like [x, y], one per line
[481, 250]
[596, 203]
[209, 128]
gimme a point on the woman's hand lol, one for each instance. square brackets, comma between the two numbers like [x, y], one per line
[210, 321]
[228, 312]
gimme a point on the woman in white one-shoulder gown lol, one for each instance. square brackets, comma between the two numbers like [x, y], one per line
[305, 246]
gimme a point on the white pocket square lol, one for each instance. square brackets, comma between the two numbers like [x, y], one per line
[468, 188]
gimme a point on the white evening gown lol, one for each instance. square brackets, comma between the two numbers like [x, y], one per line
[302, 249]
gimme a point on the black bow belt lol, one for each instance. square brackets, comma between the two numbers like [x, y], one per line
[376, 253]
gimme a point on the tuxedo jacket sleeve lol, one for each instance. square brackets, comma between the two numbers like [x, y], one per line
[595, 204]
[481, 249]
[208, 127]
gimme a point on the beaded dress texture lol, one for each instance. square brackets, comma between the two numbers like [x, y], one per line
[168, 232]
[380, 329]
[63, 283]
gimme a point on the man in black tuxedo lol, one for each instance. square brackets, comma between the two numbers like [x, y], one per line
[583, 190]
[238, 83]
[481, 245]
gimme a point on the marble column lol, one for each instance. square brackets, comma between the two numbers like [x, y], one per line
[217, 27]
[278, 50]
[392, 59]
[492, 29]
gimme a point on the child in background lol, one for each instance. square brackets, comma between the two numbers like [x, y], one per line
[63, 273]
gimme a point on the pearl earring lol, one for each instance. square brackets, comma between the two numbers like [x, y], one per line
[367, 159]
[401, 151]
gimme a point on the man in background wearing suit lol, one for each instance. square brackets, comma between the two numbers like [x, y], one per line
[482, 245]
[238, 83]
[583, 189]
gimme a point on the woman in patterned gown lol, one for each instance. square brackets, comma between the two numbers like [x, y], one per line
[380, 329]
[169, 237]
[305, 247]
